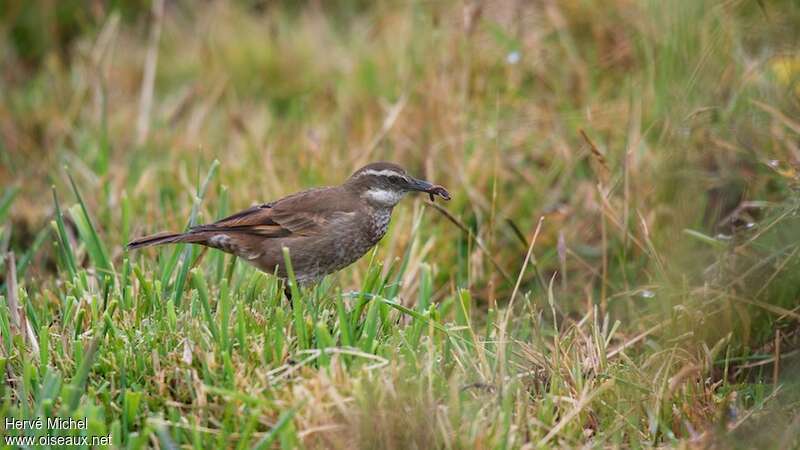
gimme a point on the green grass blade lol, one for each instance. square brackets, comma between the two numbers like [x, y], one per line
[87, 230]
[186, 256]
[6, 201]
[199, 283]
[77, 386]
[345, 328]
[67, 255]
[298, 305]
[706, 239]
[370, 327]
[283, 420]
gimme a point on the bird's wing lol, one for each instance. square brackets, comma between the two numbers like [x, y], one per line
[296, 215]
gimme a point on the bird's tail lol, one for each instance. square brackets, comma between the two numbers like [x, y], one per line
[164, 238]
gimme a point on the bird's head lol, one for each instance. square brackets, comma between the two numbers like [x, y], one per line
[384, 184]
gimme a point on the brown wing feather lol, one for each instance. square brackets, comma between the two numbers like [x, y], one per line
[256, 220]
[296, 215]
[244, 217]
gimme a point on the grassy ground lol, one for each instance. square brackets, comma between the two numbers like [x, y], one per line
[618, 267]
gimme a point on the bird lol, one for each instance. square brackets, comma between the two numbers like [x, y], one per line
[325, 229]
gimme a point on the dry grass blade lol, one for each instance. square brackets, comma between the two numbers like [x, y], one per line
[478, 240]
[752, 411]
[776, 369]
[598, 156]
[781, 117]
[775, 309]
[17, 314]
[524, 265]
[14, 309]
[386, 127]
[584, 400]
[148, 80]
[635, 340]
[494, 99]
[768, 361]
[517, 232]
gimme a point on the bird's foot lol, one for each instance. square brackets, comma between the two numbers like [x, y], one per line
[287, 291]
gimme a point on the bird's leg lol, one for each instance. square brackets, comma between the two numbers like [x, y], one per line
[287, 291]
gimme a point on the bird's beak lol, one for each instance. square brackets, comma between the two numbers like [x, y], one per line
[429, 188]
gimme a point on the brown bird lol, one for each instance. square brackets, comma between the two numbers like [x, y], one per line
[325, 229]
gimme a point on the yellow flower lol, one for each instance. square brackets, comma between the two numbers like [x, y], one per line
[787, 71]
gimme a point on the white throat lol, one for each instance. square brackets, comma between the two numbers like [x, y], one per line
[383, 197]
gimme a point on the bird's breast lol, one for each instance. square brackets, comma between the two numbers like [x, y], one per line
[379, 224]
[369, 230]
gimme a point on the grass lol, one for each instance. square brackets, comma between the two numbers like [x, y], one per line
[617, 268]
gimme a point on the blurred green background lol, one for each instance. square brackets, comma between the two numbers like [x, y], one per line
[658, 142]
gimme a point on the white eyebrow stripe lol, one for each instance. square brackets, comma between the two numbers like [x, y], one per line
[382, 173]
